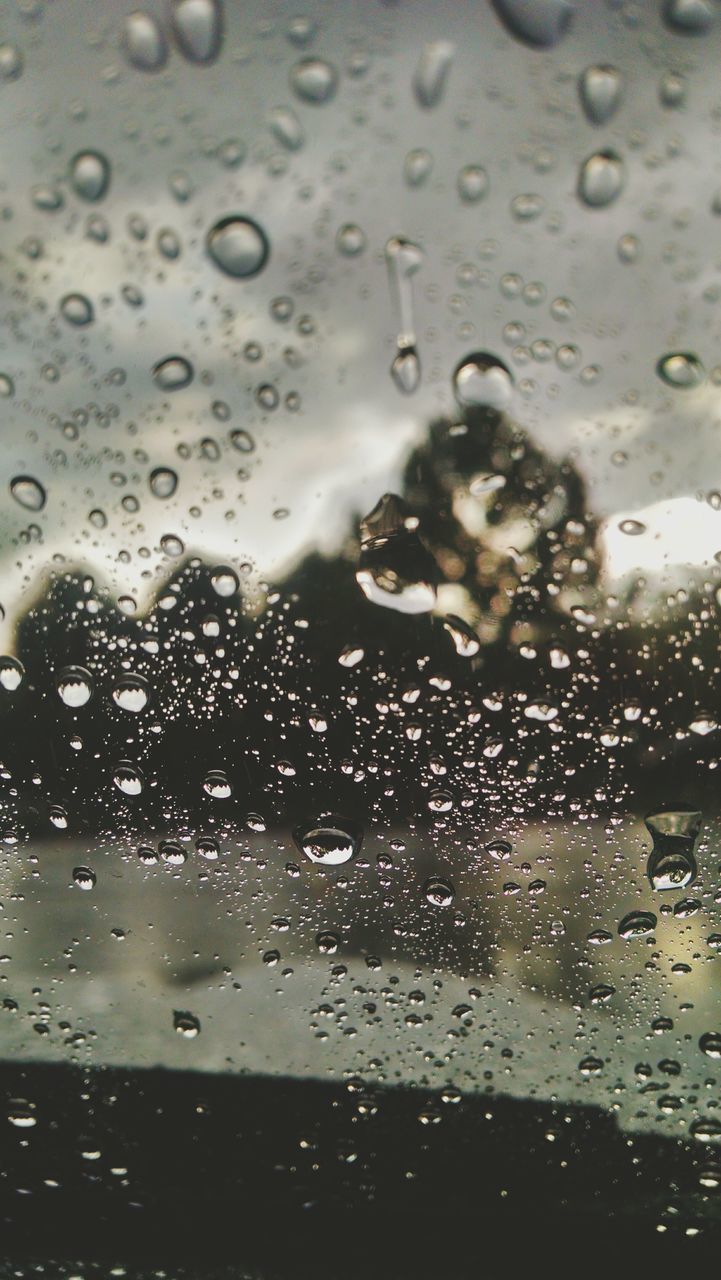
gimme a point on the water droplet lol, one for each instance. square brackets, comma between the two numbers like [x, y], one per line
[144, 43]
[286, 127]
[417, 167]
[330, 842]
[11, 673]
[130, 693]
[90, 175]
[482, 379]
[216, 784]
[21, 1113]
[173, 373]
[601, 994]
[440, 893]
[208, 848]
[314, 80]
[633, 528]
[11, 62]
[171, 545]
[350, 240]
[637, 924]
[601, 179]
[163, 482]
[541, 23]
[238, 246]
[327, 942]
[706, 1129]
[672, 863]
[7, 386]
[681, 369]
[84, 878]
[74, 686]
[406, 369]
[198, 28]
[431, 73]
[128, 779]
[472, 183]
[464, 638]
[224, 580]
[186, 1024]
[688, 17]
[28, 492]
[395, 569]
[77, 309]
[600, 89]
[672, 90]
[242, 441]
[710, 1044]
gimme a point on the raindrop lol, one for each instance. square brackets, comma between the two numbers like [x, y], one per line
[314, 80]
[417, 167]
[600, 89]
[90, 175]
[286, 127]
[186, 1024]
[198, 28]
[11, 62]
[633, 528]
[171, 545]
[465, 640]
[84, 878]
[242, 441]
[681, 369]
[541, 23]
[330, 842]
[128, 779]
[28, 492]
[710, 1044]
[77, 309]
[440, 893]
[327, 942]
[406, 369]
[688, 17]
[224, 580]
[74, 686]
[144, 43]
[208, 848]
[173, 373]
[482, 379]
[238, 246]
[395, 569]
[472, 183]
[431, 73]
[163, 482]
[672, 863]
[172, 852]
[216, 784]
[130, 693]
[11, 673]
[637, 924]
[350, 240]
[601, 179]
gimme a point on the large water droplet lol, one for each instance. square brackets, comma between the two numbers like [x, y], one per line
[395, 569]
[163, 482]
[600, 89]
[431, 73]
[216, 784]
[77, 309]
[440, 893]
[637, 924]
[186, 1024]
[541, 23]
[198, 28]
[128, 778]
[11, 673]
[314, 80]
[144, 43]
[330, 842]
[672, 862]
[681, 369]
[130, 693]
[710, 1044]
[688, 17]
[224, 580]
[484, 380]
[75, 686]
[90, 175]
[601, 179]
[238, 246]
[173, 373]
[28, 492]
[84, 878]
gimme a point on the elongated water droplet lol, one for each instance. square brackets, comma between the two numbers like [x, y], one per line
[541, 23]
[28, 492]
[286, 127]
[601, 179]
[90, 175]
[330, 842]
[465, 640]
[637, 924]
[144, 43]
[600, 89]
[406, 369]
[198, 28]
[431, 73]
[238, 246]
[395, 569]
[672, 862]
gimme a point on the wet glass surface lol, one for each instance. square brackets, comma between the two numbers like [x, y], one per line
[360, 578]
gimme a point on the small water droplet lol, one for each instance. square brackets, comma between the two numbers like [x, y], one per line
[163, 482]
[314, 80]
[173, 373]
[406, 369]
[286, 127]
[11, 673]
[198, 28]
[417, 167]
[440, 893]
[330, 842]
[600, 89]
[432, 71]
[84, 878]
[472, 183]
[130, 693]
[77, 309]
[186, 1024]
[224, 580]
[144, 43]
[216, 784]
[127, 778]
[74, 686]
